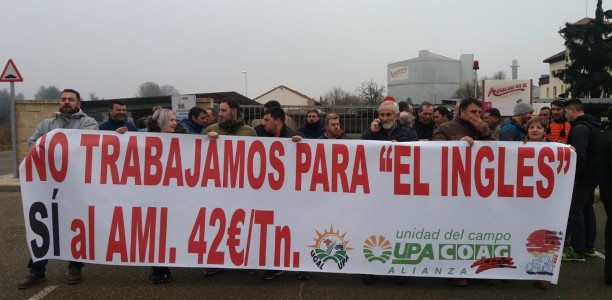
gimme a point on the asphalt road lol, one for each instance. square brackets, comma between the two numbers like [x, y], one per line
[577, 281]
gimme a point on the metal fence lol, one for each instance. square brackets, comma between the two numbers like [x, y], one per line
[353, 119]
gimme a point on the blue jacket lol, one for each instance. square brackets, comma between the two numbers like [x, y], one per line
[192, 127]
[112, 125]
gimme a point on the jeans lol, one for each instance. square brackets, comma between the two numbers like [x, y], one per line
[576, 237]
[40, 267]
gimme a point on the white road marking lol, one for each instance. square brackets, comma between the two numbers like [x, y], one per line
[43, 293]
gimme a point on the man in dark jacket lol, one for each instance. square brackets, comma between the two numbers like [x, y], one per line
[513, 129]
[466, 126]
[259, 129]
[584, 137]
[424, 124]
[387, 127]
[195, 121]
[274, 125]
[332, 128]
[117, 114]
[605, 191]
[312, 129]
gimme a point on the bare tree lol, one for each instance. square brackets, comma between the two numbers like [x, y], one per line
[92, 96]
[338, 96]
[371, 92]
[152, 89]
[50, 92]
[149, 89]
[499, 75]
[168, 90]
[465, 91]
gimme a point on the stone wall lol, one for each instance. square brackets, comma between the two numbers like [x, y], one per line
[28, 114]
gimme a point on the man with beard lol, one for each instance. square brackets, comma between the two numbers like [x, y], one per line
[231, 122]
[513, 129]
[69, 116]
[332, 128]
[117, 114]
[424, 124]
[387, 127]
[312, 129]
[558, 127]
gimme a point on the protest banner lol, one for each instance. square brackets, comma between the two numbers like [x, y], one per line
[438, 209]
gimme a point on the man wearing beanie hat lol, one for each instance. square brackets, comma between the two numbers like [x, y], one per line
[513, 129]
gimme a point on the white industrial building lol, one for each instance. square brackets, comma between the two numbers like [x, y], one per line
[429, 77]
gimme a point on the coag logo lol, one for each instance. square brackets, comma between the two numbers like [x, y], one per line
[330, 245]
[377, 248]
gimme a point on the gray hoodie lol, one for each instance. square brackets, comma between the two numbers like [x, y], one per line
[77, 120]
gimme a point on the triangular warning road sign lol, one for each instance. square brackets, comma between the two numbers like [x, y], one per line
[10, 73]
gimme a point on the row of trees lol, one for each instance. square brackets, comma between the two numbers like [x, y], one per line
[147, 89]
[368, 93]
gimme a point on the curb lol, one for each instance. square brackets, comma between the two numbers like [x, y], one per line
[10, 188]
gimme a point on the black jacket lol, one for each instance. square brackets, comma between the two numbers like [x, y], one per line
[424, 131]
[312, 131]
[399, 133]
[584, 136]
[285, 132]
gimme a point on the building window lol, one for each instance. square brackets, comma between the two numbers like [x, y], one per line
[547, 92]
[562, 89]
[554, 91]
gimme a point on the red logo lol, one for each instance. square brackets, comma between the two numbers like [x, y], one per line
[493, 262]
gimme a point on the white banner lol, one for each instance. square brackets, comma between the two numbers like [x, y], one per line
[503, 94]
[439, 209]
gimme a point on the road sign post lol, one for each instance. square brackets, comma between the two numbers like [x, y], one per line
[11, 74]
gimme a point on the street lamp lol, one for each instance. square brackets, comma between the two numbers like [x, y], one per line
[246, 94]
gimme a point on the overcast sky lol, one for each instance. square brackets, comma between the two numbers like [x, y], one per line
[111, 46]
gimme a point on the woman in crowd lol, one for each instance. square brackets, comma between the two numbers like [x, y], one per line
[164, 121]
[536, 131]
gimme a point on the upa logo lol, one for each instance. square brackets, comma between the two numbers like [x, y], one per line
[330, 245]
[377, 248]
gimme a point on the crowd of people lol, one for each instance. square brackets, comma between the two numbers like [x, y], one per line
[563, 122]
